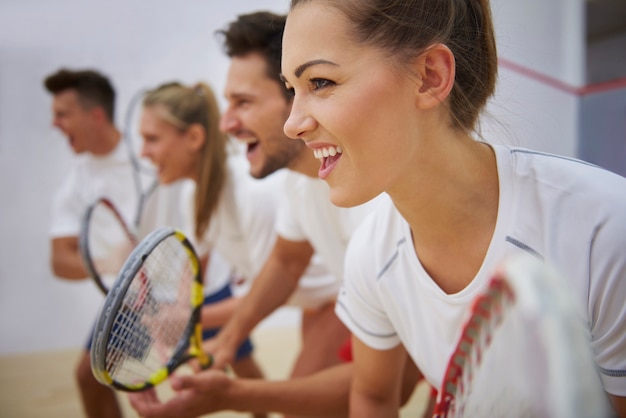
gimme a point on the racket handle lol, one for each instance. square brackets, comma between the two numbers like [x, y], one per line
[206, 360]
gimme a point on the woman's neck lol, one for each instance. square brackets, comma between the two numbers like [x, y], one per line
[452, 212]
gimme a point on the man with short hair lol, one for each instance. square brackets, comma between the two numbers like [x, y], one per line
[308, 223]
[83, 107]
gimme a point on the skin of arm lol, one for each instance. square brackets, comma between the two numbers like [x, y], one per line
[271, 289]
[619, 405]
[377, 381]
[324, 393]
[217, 314]
[66, 260]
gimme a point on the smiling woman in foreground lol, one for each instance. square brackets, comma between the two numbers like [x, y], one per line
[388, 94]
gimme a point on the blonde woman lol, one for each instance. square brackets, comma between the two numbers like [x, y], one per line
[230, 214]
[397, 88]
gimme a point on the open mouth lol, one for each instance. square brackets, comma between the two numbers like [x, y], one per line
[71, 140]
[328, 157]
[252, 146]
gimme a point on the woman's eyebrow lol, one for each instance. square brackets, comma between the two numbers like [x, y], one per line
[302, 68]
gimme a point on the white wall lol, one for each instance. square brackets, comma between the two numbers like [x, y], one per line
[145, 42]
[548, 36]
[549, 65]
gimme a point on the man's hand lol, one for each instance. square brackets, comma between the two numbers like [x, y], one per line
[65, 259]
[222, 349]
[195, 395]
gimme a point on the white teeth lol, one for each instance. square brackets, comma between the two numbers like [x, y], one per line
[326, 152]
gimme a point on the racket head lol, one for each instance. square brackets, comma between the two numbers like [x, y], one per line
[104, 242]
[144, 172]
[523, 348]
[133, 139]
[150, 321]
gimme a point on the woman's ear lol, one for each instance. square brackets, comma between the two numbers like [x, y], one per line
[435, 73]
[195, 136]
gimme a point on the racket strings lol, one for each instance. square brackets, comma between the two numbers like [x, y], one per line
[108, 242]
[491, 373]
[508, 380]
[522, 354]
[154, 317]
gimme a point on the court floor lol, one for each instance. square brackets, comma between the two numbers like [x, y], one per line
[41, 385]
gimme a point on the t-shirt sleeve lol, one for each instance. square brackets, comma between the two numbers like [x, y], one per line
[67, 209]
[358, 306]
[287, 224]
[258, 220]
[607, 307]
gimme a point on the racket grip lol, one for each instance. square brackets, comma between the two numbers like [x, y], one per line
[206, 360]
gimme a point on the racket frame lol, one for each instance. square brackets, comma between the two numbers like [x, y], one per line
[137, 166]
[83, 239]
[537, 289]
[189, 345]
[487, 307]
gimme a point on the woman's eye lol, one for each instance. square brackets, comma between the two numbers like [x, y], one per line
[291, 92]
[320, 83]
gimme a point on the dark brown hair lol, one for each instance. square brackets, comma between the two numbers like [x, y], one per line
[405, 28]
[93, 88]
[260, 32]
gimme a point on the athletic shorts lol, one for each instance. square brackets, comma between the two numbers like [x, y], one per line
[345, 351]
[245, 349]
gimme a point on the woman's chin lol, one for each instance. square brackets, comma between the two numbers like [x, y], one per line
[345, 197]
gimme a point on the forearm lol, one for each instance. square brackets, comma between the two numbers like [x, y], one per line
[215, 315]
[267, 293]
[322, 394]
[65, 260]
[619, 405]
[363, 406]
[273, 286]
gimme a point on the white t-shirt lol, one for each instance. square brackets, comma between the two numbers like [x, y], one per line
[307, 214]
[568, 212]
[242, 231]
[242, 227]
[112, 176]
[162, 206]
[91, 178]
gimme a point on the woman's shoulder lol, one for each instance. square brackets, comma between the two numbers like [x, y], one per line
[563, 176]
